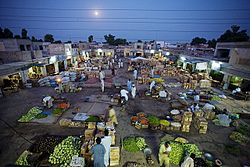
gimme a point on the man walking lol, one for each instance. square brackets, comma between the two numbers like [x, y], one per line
[98, 151]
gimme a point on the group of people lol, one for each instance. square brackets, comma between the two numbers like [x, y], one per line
[164, 152]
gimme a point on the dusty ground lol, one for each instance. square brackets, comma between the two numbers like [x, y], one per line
[16, 137]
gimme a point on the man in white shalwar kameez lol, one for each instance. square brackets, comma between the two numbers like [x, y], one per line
[106, 142]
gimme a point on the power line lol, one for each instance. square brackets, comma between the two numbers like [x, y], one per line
[123, 22]
[125, 30]
[127, 9]
[123, 18]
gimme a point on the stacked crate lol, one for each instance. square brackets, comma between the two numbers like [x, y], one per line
[114, 156]
[186, 121]
[209, 115]
[201, 125]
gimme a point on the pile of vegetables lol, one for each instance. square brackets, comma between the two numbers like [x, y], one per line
[134, 144]
[46, 144]
[192, 148]
[153, 120]
[57, 112]
[239, 138]
[64, 151]
[244, 129]
[178, 151]
[32, 113]
[216, 98]
[93, 119]
[40, 116]
[164, 122]
[22, 160]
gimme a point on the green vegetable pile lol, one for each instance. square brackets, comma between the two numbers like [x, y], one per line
[22, 160]
[178, 151]
[93, 119]
[57, 112]
[64, 151]
[134, 144]
[41, 115]
[192, 148]
[244, 129]
[32, 113]
[216, 98]
[239, 138]
[164, 122]
[153, 120]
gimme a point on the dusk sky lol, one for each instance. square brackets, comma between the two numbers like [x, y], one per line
[168, 20]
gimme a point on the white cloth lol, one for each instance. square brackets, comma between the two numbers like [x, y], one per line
[196, 98]
[163, 93]
[152, 72]
[102, 75]
[135, 74]
[106, 142]
[238, 90]
[208, 106]
[188, 162]
[152, 84]
[133, 92]
[121, 64]
[102, 85]
[124, 93]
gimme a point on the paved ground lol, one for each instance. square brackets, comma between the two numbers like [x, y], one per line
[16, 137]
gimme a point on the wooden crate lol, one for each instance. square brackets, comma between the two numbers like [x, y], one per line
[89, 133]
[199, 114]
[91, 125]
[114, 156]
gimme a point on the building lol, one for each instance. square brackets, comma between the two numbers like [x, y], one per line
[237, 70]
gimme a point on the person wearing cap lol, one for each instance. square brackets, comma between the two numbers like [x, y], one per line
[133, 91]
[106, 142]
[164, 151]
[98, 151]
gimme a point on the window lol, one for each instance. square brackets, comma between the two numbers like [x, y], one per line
[22, 48]
[40, 47]
[28, 47]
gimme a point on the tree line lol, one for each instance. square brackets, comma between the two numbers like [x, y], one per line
[231, 35]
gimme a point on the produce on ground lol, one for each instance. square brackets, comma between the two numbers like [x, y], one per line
[239, 138]
[32, 113]
[46, 144]
[177, 153]
[134, 144]
[93, 119]
[144, 121]
[216, 98]
[164, 122]
[41, 115]
[192, 148]
[57, 112]
[153, 120]
[181, 140]
[64, 151]
[22, 160]
[140, 142]
[244, 129]
[167, 137]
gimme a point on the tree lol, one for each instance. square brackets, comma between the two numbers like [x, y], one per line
[7, 33]
[49, 38]
[33, 39]
[212, 43]
[234, 35]
[17, 37]
[110, 39]
[24, 34]
[140, 41]
[198, 40]
[58, 42]
[68, 42]
[40, 40]
[90, 38]
[120, 41]
[1, 32]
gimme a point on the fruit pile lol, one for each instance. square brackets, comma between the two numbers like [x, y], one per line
[32, 113]
[192, 148]
[177, 153]
[22, 160]
[64, 151]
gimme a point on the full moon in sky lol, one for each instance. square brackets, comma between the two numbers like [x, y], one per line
[96, 13]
